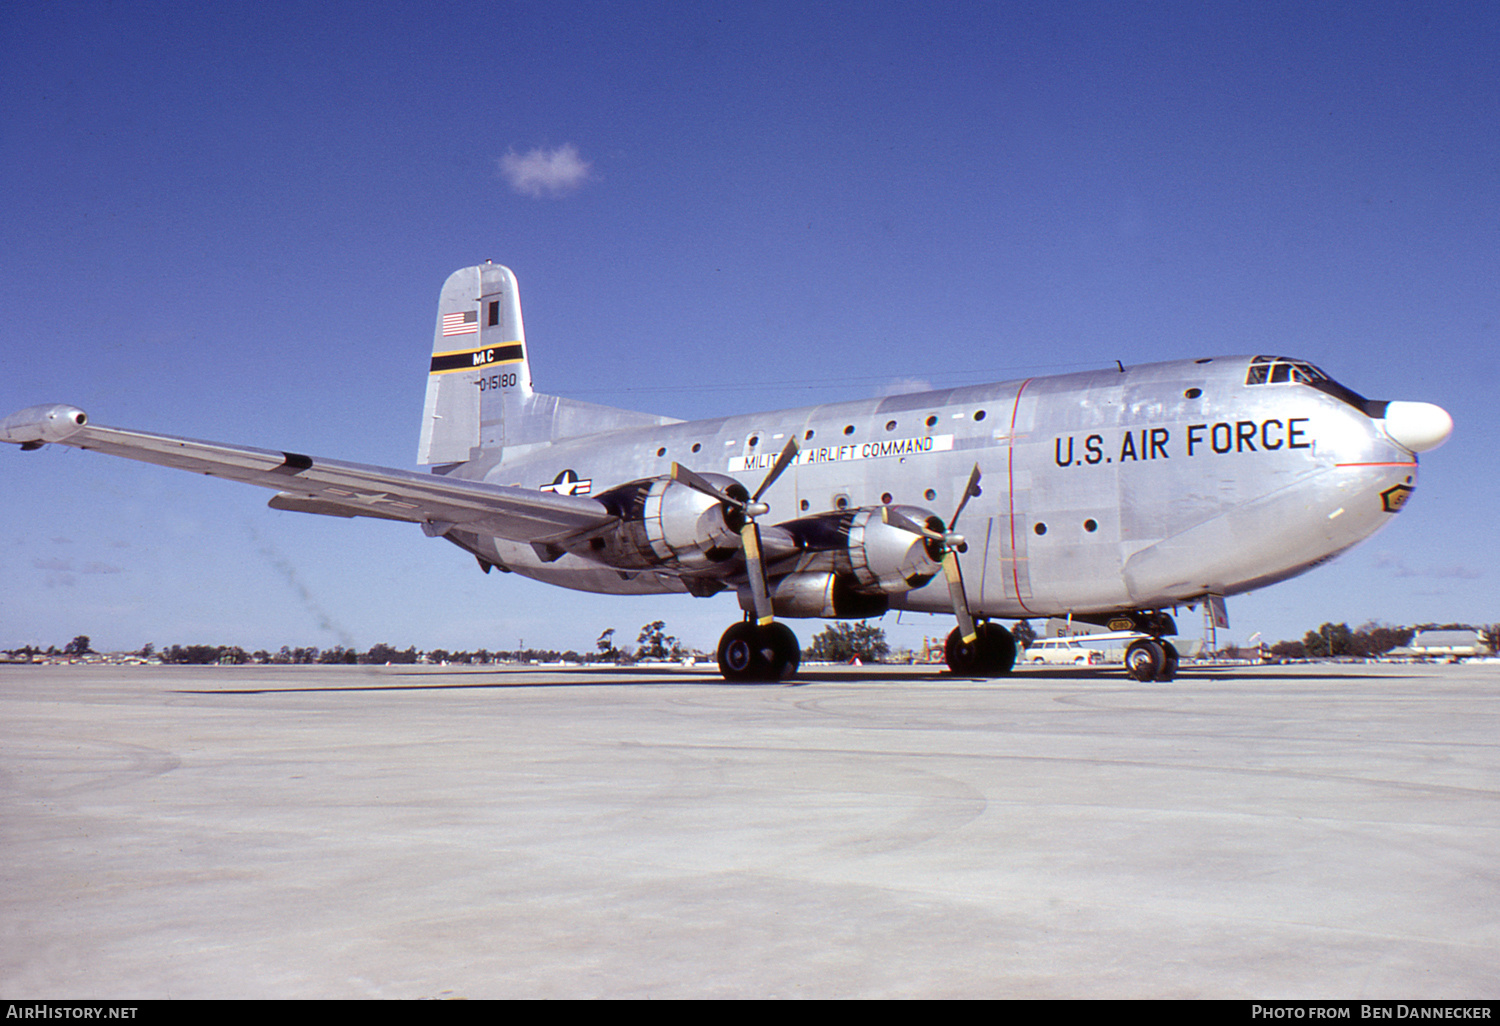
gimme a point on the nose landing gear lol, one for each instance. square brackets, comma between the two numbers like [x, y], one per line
[1151, 659]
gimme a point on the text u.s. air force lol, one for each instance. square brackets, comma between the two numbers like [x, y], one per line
[1272, 434]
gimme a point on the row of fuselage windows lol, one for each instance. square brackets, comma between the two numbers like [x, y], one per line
[754, 441]
[840, 501]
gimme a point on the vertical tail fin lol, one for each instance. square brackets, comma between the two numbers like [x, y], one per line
[479, 376]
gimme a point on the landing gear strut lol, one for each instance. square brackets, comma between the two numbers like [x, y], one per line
[992, 653]
[749, 651]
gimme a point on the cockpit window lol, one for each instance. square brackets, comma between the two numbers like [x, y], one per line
[1280, 369]
[1277, 370]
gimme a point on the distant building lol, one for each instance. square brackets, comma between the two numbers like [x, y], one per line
[1445, 645]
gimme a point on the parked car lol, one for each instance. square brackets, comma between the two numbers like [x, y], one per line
[1063, 651]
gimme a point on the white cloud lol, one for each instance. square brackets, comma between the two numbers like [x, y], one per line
[539, 172]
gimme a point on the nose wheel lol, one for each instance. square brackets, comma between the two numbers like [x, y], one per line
[763, 653]
[1151, 659]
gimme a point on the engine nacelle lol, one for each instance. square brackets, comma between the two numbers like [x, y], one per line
[890, 559]
[858, 545]
[667, 523]
[823, 595]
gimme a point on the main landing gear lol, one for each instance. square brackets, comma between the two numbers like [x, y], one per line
[992, 653]
[973, 649]
[1151, 659]
[751, 651]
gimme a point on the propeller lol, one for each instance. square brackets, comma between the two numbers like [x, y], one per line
[751, 508]
[953, 543]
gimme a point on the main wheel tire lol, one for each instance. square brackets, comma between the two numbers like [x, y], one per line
[782, 652]
[750, 652]
[739, 653]
[1169, 667]
[1145, 660]
[992, 653]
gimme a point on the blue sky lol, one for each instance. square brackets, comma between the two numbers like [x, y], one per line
[231, 221]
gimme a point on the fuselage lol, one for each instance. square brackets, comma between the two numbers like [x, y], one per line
[1134, 488]
[1111, 495]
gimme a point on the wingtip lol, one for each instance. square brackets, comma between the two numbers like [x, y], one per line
[37, 425]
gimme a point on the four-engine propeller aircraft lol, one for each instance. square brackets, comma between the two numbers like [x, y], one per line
[1111, 496]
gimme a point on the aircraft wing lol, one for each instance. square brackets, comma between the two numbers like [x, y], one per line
[330, 487]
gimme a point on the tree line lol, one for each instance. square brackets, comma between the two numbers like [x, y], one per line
[840, 642]
[380, 654]
[1334, 640]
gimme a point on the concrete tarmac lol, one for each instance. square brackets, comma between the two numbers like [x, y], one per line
[404, 832]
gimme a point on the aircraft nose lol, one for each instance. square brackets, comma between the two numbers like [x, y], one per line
[1417, 426]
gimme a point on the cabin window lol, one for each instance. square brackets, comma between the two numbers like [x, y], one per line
[1040, 529]
[1091, 525]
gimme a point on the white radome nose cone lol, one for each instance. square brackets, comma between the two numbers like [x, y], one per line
[1417, 426]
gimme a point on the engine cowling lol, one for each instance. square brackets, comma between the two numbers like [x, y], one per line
[824, 595]
[667, 523]
[872, 556]
[890, 559]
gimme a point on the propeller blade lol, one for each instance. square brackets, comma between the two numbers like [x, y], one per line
[693, 481]
[755, 569]
[958, 597]
[788, 454]
[952, 545]
[971, 490]
[755, 566]
[900, 520]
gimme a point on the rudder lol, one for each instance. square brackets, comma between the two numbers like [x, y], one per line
[479, 369]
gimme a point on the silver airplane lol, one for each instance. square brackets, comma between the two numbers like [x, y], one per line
[1108, 496]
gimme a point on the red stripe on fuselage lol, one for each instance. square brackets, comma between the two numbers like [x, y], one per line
[1010, 473]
